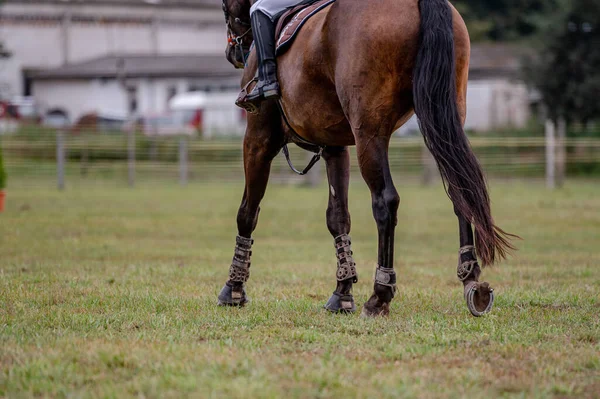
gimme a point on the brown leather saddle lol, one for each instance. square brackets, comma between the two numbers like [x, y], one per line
[292, 20]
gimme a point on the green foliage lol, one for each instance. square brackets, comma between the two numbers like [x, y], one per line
[504, 20]
[2, 172]
[567, 68]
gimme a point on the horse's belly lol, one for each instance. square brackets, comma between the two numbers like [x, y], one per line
[317, 117]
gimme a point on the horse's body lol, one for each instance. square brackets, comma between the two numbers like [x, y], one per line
[356, 72]
[340, 74]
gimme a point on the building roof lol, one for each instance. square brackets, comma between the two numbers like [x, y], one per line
[487, 61]
[496, 60]
[144, 66]
[146, 3]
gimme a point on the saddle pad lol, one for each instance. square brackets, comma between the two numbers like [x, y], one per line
[292, 21]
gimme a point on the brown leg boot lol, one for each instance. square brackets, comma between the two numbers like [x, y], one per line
[267, 86]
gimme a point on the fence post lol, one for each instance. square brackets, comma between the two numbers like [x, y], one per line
[550, 154]
[131, 157]
[183, 161]
[561, 156]
[60, 159]
[85, 157]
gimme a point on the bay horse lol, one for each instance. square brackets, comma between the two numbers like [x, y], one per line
[357, 71]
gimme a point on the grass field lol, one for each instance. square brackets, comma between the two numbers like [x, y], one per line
[111, 292]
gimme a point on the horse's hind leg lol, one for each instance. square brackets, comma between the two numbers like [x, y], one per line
[374, 166]
[337, 160]
[479, 296]
[262, 143]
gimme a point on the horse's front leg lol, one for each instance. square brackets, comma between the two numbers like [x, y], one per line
[262, 143]
[375, 168]
[337, 160]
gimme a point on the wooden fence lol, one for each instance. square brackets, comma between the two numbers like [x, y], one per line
[62, 159]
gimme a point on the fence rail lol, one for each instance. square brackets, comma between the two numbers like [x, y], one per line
[62, 159]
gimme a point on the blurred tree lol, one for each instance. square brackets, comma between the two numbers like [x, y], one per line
[566, 70]
[502, 20]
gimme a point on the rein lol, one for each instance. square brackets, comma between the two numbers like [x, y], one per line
[237, 41]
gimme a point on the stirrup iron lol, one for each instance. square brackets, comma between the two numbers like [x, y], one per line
[243, 96]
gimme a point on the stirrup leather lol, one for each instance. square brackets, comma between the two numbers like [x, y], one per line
[346, 266]
[465, 269]
[240, 265]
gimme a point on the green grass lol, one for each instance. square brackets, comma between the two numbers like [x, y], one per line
[110, 292]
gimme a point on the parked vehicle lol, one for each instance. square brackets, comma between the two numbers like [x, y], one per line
[56, 119]
[171, 124]
[17, 112]
[23, 109]
[101, 123]
[213, 114]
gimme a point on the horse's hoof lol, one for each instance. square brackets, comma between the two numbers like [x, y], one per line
[375, 308]
[341, 304]
[229, 297]
[479, 297]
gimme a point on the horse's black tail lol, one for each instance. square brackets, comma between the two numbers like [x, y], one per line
[436, 106]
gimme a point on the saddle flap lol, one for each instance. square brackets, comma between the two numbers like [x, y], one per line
[291, 22]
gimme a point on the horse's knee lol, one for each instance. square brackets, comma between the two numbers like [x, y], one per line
[392, 199]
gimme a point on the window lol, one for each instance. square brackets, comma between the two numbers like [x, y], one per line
[132, 99]
[171, 92]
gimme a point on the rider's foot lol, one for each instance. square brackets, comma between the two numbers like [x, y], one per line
[267, 86]
[261, 92]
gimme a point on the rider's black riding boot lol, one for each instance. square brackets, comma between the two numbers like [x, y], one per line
[267, 86]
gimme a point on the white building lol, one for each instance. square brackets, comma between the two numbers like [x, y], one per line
[497, 97]
[114, 57]
[43, 34]
[132, 84]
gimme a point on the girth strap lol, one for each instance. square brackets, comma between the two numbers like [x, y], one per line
[240, 265]
[346, 266]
